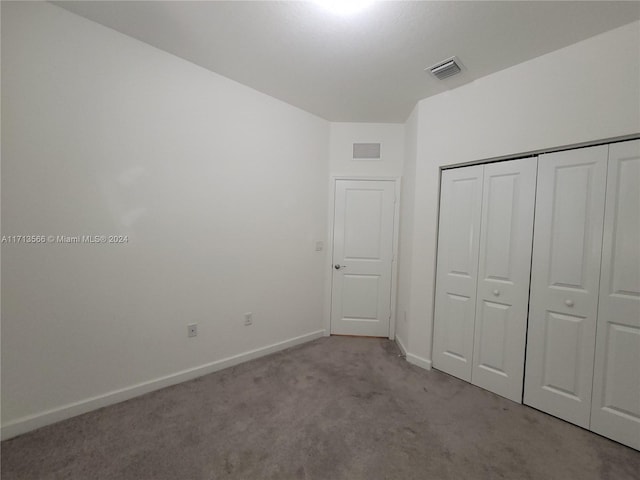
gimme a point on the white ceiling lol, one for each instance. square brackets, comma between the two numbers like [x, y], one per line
[368, 67]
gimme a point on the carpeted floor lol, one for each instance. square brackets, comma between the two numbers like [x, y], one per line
[335, 408]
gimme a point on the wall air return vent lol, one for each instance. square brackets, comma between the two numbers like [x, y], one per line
[366, 151]
[446, 68]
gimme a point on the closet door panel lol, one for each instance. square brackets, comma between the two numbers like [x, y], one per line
[565, 282]
[503, 277]
[457, 266]
[616, 385]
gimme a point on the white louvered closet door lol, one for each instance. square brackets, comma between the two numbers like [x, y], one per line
[457, 268]
[503, 277]
[565, 282]
[616, 385]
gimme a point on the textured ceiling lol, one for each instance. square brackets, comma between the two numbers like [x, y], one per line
[367, 67]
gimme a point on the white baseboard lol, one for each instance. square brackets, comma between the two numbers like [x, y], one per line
[401, 346]
[32, 422]
[411, 358]
[419, 361]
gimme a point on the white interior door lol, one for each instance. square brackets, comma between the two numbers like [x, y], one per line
[503, 277]
[362, 257]
[564, 282]
[616, 384]
[457, 268]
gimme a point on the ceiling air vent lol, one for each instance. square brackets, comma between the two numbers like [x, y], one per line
[446, 68]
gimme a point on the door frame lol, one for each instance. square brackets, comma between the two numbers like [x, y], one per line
[329, 259]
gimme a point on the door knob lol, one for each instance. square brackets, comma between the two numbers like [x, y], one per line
[496, 292]
[568, 303]
[337, 266]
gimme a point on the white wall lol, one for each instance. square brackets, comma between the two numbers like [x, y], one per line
[407, 208]
[222, 191]
[585, 92]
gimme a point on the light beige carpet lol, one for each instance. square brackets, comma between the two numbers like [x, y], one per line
[335, 408]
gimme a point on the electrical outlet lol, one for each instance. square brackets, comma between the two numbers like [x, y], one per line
[192, 330]
[248, 319]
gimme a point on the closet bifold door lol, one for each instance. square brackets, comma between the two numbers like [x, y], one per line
[565, 282]
[503, 277]
[457, 267]
[616, 384]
